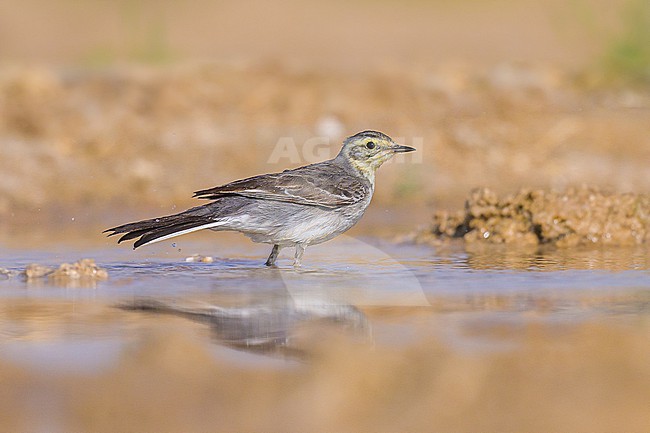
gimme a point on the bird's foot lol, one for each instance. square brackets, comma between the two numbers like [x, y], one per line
[300, 250]
[273, 256]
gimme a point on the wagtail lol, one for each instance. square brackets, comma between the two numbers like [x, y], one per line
[295, 208]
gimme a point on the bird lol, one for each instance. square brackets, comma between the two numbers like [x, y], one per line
[297, 207]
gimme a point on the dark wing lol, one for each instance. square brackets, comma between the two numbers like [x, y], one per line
[323, 184]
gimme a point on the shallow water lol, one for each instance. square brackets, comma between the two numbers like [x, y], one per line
[363, 271]
[239, 314]
[258, 306]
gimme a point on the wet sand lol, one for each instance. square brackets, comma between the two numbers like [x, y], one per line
[578, 216]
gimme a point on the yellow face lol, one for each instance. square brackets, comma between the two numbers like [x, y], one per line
[368, 150]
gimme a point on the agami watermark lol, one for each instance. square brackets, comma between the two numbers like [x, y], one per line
[320, 148]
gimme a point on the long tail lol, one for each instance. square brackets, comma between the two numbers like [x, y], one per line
[160, 229]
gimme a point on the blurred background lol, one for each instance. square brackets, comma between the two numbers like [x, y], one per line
[116, 110]
[134, 104]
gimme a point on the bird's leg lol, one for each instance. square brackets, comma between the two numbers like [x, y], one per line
[300, 250]
[273, 256]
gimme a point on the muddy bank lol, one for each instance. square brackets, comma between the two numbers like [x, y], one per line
[579, 216]
[135, 137]
[82, 273]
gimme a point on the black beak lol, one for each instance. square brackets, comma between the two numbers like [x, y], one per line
[402, 149]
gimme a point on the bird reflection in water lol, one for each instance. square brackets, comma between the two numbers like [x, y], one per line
[266, 327]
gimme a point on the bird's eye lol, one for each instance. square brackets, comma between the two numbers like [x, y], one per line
[370, 145]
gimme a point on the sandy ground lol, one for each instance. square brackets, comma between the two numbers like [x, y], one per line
[163, 99]
[148, 137]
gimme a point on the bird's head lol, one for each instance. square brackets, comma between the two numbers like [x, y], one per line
[368, 150]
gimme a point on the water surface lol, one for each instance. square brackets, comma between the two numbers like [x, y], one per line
[358, 310]
[347, 274]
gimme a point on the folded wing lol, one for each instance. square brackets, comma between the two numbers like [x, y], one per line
[323, 185]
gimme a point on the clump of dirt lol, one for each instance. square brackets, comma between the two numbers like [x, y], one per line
[577, 216]
[6, 273]
[82, 273]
